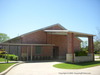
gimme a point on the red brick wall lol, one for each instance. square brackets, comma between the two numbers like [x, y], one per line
[39, 37]
[61, 41]
[46, 51]
[35, 38]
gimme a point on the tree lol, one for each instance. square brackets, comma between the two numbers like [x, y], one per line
[3, 37]
[97, 43]
[84, 44]
[97, 38]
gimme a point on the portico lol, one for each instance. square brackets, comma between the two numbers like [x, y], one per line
[70, 55]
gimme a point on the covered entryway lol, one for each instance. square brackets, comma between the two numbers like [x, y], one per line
[70, 54]
[30, 52]
[55, 52]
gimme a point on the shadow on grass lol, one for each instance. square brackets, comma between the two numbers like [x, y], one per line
[87, 63]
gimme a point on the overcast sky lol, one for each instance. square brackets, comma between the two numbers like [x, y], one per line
[21, 16]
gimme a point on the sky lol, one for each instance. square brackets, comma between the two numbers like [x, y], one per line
[18, 17]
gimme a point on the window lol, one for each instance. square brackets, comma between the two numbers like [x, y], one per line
[38, 50]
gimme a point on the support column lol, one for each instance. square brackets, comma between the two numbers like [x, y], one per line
[17, 51]
[27, 53]
[31, 52]
[8, 53]
[91, 46]
[46, 37]
[21, 52]
[70, 47]
[51, 37]
[9, 49]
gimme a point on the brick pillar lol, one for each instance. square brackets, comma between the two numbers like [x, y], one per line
[70, 47]
[90, 43]
[91, 46]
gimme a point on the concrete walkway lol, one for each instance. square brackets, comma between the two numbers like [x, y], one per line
[46, 68]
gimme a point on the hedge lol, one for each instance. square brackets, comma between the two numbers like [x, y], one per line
[9, 56]
[81, 53]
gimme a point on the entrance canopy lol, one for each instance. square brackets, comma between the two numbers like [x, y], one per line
[70, 44]
[64, 32]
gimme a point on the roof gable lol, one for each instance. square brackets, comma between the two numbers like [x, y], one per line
[47, 28]
[51, 27]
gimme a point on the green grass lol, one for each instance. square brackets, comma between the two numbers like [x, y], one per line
[2, 59]
[97, 54]
[4, 66]
[78, 65]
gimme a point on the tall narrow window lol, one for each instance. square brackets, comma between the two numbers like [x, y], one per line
[38, 50]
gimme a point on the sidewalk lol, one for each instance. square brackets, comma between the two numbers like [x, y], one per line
[46, 68]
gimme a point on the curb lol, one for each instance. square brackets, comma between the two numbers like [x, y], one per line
[8, 69]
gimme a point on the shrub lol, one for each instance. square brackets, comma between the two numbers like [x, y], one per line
[1, 55]
[97, 52]
[2, 52]
[15, 58]
[81, 53]
[10, 56]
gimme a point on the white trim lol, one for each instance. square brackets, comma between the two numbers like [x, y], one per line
[27, 44]
[64, 32]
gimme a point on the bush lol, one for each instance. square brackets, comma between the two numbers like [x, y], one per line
[15, 58]
[1, 55]
[10, 56]
[81, 53]
[97, 52]
[2, 52]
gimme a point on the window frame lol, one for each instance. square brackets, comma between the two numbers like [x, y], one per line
[38, 50]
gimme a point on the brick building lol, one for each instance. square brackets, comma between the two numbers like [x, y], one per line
[52, 42]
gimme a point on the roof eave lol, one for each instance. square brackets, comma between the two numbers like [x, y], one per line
[68, 31]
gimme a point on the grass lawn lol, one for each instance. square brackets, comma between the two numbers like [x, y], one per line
[2, 59]
[78, 65]
[97, 54]
[4, 66]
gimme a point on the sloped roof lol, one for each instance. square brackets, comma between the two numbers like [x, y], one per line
[45, 28]
[61, 32]
[39, 30]
[64, 32]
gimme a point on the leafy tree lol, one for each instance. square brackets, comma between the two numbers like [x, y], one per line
[84, 44]
[3, 37]
[97, 43]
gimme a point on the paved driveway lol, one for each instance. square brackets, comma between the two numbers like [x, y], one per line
[46, 68]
